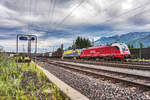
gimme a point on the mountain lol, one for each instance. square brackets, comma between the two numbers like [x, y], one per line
[132, 38]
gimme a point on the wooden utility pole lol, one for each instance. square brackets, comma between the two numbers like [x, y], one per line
[62, 48]
[140, 53]
[74, 50]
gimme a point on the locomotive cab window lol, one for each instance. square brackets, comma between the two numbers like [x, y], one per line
[117, 47]
[125, 48]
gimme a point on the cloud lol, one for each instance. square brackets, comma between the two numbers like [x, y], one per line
[61, 21]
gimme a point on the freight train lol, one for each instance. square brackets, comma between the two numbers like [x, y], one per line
[117, 51]
[57, 54]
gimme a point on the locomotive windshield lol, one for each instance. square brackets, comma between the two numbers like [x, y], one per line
[124, 47]
[117, 47]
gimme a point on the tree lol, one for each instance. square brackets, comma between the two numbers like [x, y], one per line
[59, 50]
[82, 43]
[78, 41]
[73, 46]
[148, 46]
[130, 46]
[69, 48]
[141, 45]
[140, 53]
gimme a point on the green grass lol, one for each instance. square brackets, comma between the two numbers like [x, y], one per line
[24, 81]
[138, 59]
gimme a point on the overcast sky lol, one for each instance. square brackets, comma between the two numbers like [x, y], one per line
[61, 21]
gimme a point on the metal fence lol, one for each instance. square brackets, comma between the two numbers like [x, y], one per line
[140, 53]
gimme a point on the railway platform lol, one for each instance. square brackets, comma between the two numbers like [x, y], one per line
[65, 88]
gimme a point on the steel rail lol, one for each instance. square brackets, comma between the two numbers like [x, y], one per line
[129, 66]
[129, 78]
[118, 62]
[119, 65]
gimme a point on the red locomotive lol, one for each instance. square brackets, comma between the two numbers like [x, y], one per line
[114, 51]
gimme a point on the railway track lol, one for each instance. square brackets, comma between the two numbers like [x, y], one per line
[126, 62]
[113, 64]
[104, 63]
[143, 63]
[134, 76]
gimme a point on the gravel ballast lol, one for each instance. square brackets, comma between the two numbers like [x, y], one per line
[98, 88]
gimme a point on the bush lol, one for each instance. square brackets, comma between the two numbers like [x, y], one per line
[24, 81]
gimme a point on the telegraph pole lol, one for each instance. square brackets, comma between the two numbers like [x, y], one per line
[74, 50]
[140, 53]
[62, 48]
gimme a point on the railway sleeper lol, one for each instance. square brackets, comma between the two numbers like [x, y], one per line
[124, 79]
